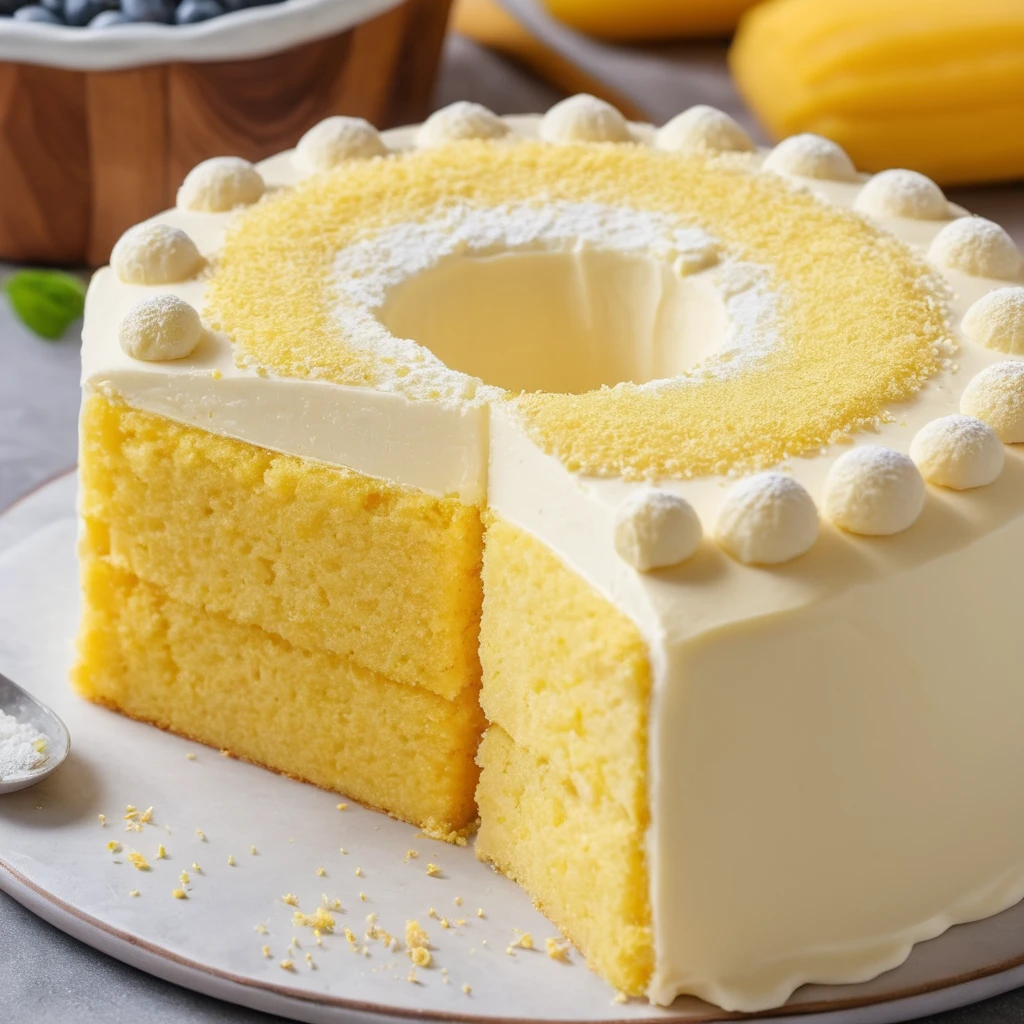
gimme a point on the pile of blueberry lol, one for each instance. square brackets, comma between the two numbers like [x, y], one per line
[110, 13]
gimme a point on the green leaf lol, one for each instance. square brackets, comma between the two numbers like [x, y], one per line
[46, 301]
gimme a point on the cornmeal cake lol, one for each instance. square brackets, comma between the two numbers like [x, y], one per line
[653, 498]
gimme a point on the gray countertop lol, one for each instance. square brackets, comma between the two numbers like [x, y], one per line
[47, 977]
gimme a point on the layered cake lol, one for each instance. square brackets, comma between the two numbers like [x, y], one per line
[649, 499]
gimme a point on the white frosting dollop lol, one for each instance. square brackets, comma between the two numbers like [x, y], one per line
[958, 452]
[703, 129]
[654, 529]
[811, 156]
[584, 118]
[460, 121]
[767, 519]
[874, 491]
[163, 327]
[977, 247]
[335, 140]
[155, 254]
[996, 321]
[996, 396]
[219, 184]
[899, 193]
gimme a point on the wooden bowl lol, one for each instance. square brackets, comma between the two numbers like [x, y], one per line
[91, 144]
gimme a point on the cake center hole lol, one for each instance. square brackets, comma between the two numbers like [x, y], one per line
[565, 322]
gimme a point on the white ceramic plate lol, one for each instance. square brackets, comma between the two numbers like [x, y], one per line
[53, 858]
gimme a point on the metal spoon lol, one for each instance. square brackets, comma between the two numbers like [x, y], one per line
[25, 708]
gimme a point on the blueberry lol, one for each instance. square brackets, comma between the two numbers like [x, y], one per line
[33, 12]
[108, 19]
[160, 11]
[191, 11]
[238, 5]
[81, 12]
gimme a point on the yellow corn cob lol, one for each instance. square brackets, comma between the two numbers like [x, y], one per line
[650, 19]
[935, 85]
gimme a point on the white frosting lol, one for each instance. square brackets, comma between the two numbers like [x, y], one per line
[874, 491]
[155, 253]
[164, 327]
[958, 452]
[655, 529]
[899, 193]
[336, 139]
[996, 396]
[996, 321]
[977, 247]
[811, 156]
[703, 129]
[252, 32]
[584, 118]
[853, 642]
[220, 183]
[767, 519]
[458, 121]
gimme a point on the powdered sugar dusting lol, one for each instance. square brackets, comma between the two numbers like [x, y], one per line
[366, 271]
[22, 747]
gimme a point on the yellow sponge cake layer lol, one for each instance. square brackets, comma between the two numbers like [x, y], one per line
[321, 556]
[563, 797]
[312, 715]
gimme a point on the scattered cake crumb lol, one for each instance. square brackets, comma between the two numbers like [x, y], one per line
[137, 860]
[135, 892]
[557, 950]
[291, 899]
[253, 851]
[146, 816]
[201, 834]
[524, 940]
[183, 878]
[196, 868]
[431, 912]
[359, 872]
[114, 846]
[103, 820]
[342, 807]
[458, 901]
[433, 870]
[266, 952]
[479, 911]
[445, 923]
[415, 936]
[320, 872]
[161, 852]
[261, 928]
[320, 919]
[350, 935]
[231, 860]
[620, 997]
[343, 850]
[225, 753]
[309, 960]
[362, 897]
[190, 757]
[287, 965]
[179, 894]
[467, 989]
[420, 956]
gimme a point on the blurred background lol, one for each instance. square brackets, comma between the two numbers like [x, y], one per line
[106, 104]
